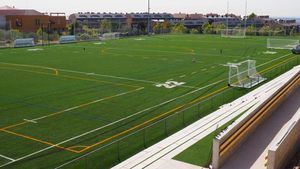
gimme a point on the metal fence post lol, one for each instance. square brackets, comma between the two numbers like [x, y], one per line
[166, 132]
[118, 151]
[211, 103]
[183, 122]
[199, 113]
[85, 162]
[144, 137]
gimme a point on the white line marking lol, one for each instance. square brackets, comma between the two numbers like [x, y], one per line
[93, 74]
[30, 121]
[37, 152]
[94, 130]
[89, 74]
[8, 158]
[182, 76]
[92, 102]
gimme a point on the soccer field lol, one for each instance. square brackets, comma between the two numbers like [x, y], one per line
[61, 101]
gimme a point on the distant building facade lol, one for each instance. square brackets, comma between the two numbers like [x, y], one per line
[119, 20]
[26, 20]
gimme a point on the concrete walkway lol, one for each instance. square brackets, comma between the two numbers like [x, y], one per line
[253, 152]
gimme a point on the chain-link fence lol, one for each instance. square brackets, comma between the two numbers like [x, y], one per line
[119, 150]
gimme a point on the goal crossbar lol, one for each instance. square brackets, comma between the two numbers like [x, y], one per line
[233, 33]
[244, 74]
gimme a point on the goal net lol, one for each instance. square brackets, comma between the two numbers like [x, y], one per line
[244, 74]
[115, 35]
[28, 42]
[67, 39]
[281, 43]
[3, 44]
[233, 33]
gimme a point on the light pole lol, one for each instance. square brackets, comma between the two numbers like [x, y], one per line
[246, 17]
[148, 24]
[227, 15]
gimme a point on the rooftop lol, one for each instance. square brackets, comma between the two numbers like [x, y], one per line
[7, 10]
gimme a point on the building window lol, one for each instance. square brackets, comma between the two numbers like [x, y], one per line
[37, 22]
[18, 22]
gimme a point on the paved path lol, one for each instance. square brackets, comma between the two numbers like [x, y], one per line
[253, 152]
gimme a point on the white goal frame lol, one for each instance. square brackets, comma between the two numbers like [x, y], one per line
[244, 74]
[281, 43]
[108, 36]
[233, 33]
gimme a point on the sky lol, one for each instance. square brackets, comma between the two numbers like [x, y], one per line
[274, 8]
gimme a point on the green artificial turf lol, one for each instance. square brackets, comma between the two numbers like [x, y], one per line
[84, 99]
[200, 152]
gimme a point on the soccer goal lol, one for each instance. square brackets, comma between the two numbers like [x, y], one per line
[115, 35]
[233, 33]
[28, 42]
[281, 43]
[3, 44]
[67, 39]
[244, 74]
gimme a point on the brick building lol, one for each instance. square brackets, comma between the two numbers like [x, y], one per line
[28, 20]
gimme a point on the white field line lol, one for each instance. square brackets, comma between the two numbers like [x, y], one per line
[97, 129]
[37, 152]
[30, 121]
[93, 102]
[274, 60]
[8, 158]
[160, 51]
[92, 74]
[175, 52]
[215, 121]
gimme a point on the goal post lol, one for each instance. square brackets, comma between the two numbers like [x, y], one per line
[114, 35]
[281, 43]
[233, 33]
[27, 42]
[244, 74]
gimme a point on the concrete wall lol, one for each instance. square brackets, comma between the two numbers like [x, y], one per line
[285, 146]
[231, 140]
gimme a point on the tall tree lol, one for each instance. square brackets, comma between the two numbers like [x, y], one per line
[219, 27]
[166, 27]
[207, 28]
[250, 30]
[265, 30]
[252, 16]
[179, 28]
[105, 26]
[157, 28]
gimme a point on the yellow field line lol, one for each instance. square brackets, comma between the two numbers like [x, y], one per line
[68, 109]
[168, 112]
[40, 141]
[148, 121]
[130, 129]
[31, 66]
[277, 64]
[14, 125]
[71, 77]
[74, 147]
